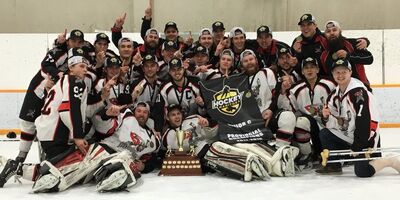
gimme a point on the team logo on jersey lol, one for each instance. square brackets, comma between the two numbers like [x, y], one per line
[228, 101]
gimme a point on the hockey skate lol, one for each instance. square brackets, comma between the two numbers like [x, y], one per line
[10, 169]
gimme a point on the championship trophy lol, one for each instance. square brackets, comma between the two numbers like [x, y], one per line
[179, 162]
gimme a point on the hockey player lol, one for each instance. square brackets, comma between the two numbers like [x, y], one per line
[263, 83]
[182, 90]
[198, 133]
[200, 58]
[306, 99]
[147, 89]
[311, 42]
[238, 45]
[224, 67]
[352, 123]
[167, 51]
[113, 170]
[340, 47]
[53, 66]
[118, 90]
[266, 47]
[130, 130]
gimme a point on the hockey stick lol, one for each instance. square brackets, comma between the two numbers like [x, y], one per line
[325, 154]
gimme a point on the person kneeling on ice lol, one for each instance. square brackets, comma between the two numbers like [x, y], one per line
[352, 123]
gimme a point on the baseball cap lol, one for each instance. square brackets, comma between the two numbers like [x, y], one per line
[205, 31]
[236, 31]
[172, 25]
[169, 45]
[175, 63]
[283, 51]
[124, 39]
[172, 107]
[111, 62]
[102, 36]
[200, 49]
[309, 60]
[246, 53]
[217, 26]
[341, 62]
[149, 57]
[75, 56]
[76, 34]
[331, 24]
[142, 104]
[306, 18]
[264, 29]
[152, 30]
[227, 52]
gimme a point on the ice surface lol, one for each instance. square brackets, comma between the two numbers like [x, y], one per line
[308, 185]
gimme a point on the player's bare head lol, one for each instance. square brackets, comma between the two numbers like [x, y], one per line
[175, 115]
[249, 62]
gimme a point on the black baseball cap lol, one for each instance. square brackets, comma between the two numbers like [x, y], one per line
[170, 45]
[76, 55]
[102, 36]
[76, 34]
[309, 60]
[149, 57]
[341, 62]
[171, 24]
[111, 62]
[306, 18]
[263, 29]
[175, 63]
[218, 26]
[200, 49]
[283, 51]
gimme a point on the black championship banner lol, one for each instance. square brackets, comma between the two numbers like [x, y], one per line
[231, 103]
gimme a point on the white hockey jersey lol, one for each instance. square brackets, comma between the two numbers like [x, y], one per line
[263, 84]
[65, 111]
[306, 100]
[126, 134]
[115, 91]
[354, 116]
[183, 96]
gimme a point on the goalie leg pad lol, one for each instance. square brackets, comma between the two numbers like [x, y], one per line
[260, 150]
[283, 161]
[234, 162]
[69, 170]
[116, 174]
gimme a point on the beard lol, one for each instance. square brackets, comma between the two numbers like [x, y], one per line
[336, 43]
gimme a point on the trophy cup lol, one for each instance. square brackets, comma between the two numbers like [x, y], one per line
[179, 162]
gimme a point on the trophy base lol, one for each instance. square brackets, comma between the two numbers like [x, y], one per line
[181, 164]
